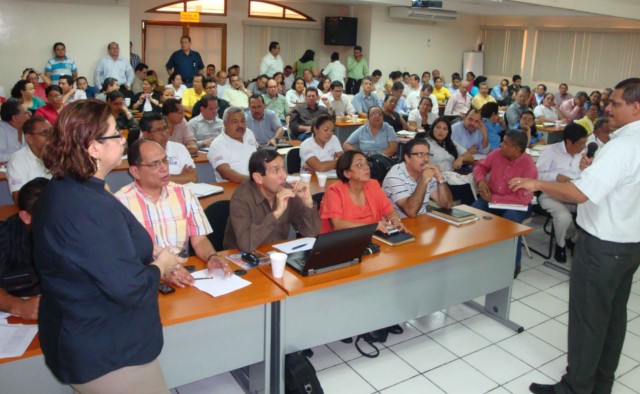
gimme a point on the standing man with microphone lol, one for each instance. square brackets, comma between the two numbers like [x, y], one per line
[608, 248]
[561, 162]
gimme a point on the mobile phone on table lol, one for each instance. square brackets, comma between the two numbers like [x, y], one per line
[190, 268]
[166, 289]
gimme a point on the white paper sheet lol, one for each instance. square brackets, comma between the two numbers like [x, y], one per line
[15, 339]
[218, 285]
[513, 207]
[203, 189]
[297, 245]
[331, 174]
[4, 316]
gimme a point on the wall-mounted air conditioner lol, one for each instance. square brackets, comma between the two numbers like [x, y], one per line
[431, 15]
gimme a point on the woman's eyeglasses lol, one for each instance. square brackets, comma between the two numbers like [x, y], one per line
[362, 165]
[117, 135]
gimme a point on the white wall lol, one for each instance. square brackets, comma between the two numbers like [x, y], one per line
[533, 23]
[28, 30]
[417, 46]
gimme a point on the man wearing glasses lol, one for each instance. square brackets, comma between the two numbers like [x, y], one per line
[182, 169]
[170, 213]
[25, 164]
[210, 87]
[13, 114]
[410, 184]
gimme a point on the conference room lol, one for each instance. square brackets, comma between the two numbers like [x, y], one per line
[447, 346]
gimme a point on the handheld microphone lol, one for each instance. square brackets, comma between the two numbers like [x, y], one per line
[591, 149]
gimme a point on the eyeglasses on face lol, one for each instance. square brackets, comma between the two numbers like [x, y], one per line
[160, 129]
[117, 135]
[43, 133]
[421, 154]
[362, 165]
[155, 164]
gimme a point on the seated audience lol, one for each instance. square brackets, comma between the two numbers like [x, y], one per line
[410, 184]
[236, 94]
[547, 111]
[89, 90]
[276, 102]
[179, 130]
[365, 99]
[421, 118]
[295, 96]
[537, 96]
[460, 102]
[594, 97]
[322, 150]
[259, 86]
[13, 114]
[454, 86]
[192, 95]
[23, 90]
[109, 85]
[171, 214]
[482, 97]
[69, 93]
[182, 169]
[590, 117]
[563, 94]
[500, 92]
[528, 124]
[309, 81]
[54, 104]
[167, 93]
[449, 157]
[413, 87]
[26, 164]
[206, 126]
[397, 90]
[33, 76]
[573, 109]
[515, 110]
[20, 298]
[561, 162]
[279, 78]
[229, 152]
[324, 85]
[604, 100]
[337, 104]
[120, 111]
[303, 114]
[175, 83]
[426, 91]
[357, 199]
[471, 133]
[390, 115]
[263, 122]
[493, 123]
[601, 133]
[442, 93]
[262, 209]
[148, 100]
[502, 164]
[139, 73]
[221, 80]
[211, 88]
[515, 86]
[374, 137]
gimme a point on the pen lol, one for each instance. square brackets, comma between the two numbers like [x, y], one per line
[299, 246]
[203, 278]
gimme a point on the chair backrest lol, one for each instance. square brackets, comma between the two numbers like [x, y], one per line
[292, 161]
[217, 215]
[318, 198]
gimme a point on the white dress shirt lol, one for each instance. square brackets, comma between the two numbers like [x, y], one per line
[271, 64]
[226, 150]
[24, 166]
[555, 160]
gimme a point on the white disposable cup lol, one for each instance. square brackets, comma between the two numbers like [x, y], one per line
[558, 123]
[127, 100]
[322, 180]
[278, 262]
[305, 177]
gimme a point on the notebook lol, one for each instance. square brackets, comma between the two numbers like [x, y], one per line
[332, 251]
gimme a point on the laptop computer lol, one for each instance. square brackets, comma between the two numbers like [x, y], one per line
[332, 251]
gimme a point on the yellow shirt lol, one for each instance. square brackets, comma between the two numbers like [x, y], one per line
[479, 101]
[190, 97]
[442, 95]
[586, 123]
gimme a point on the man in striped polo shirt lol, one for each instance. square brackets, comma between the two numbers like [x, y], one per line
[60, 64]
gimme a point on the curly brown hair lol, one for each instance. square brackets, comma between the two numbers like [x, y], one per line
[78, 125]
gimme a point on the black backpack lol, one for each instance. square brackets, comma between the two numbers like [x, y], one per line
[380, 165]
[300, 375]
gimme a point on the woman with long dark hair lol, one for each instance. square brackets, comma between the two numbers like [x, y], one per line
[306, 62]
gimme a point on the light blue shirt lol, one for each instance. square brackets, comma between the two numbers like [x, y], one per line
[119, 69]
[467, 139]
[370, 144]
[496, 93]
[361, 103]
[8, 141]
[402, 108]
[493, 132]
[264, 129]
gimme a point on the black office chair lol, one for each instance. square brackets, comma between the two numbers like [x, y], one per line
[292, 161]
[217, 214]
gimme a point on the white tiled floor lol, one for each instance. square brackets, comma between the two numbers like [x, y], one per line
[459, 351]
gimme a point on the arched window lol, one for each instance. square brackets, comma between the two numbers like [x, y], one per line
[212, 7]
[269, 10]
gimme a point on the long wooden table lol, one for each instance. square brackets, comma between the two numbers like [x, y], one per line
[343, 130]
[554, 133]
[447, 265]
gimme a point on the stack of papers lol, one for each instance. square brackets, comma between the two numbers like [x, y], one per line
[15, 339]
[297, 245]
[512, 207]
[203, 189]
[216, 284]
[406, 133]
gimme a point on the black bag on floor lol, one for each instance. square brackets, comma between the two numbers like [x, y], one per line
[300, 375]
[380, 165]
